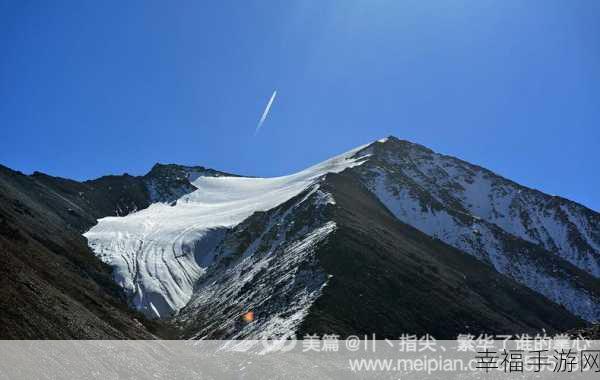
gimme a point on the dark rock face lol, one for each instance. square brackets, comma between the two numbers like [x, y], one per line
[51, 285]
[91, 200]
[118, 195]
[167, 183]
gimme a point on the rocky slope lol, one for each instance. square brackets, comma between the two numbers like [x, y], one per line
[51, 285]
[546, 243]
[388, 238]
[333, 259]
[468, 251]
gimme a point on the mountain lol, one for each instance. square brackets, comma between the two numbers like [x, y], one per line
[233, 244]
[333, 259]
[160, 252]
[52, 285]
[549, 244]
[388, 238]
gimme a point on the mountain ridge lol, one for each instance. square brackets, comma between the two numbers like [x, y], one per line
[466, 206]
[184, 241]
[556, 279]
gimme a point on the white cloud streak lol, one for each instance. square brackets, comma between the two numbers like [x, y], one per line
[266, 112]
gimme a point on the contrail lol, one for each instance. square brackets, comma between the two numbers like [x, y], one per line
[266, 112]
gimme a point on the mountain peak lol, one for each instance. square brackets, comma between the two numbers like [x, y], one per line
[184, 172]
[162, 168]
[391, 145]
[389, 138]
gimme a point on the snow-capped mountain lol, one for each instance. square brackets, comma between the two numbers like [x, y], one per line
[334, 259]
[160, 252]
[211, 245]
[523, 233]
[557, 224]
[387, 238]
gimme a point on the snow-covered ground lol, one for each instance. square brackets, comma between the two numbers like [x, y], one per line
[159, 253]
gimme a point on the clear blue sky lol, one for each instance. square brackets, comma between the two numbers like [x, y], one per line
[89, 88]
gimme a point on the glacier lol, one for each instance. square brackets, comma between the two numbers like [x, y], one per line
[160, 252]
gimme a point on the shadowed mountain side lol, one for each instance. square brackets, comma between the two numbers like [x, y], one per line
[390, 279]
[51, 284]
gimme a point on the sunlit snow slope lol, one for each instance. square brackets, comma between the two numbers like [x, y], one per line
[159, 253]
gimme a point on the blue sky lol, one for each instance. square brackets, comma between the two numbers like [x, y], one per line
[89, 88]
